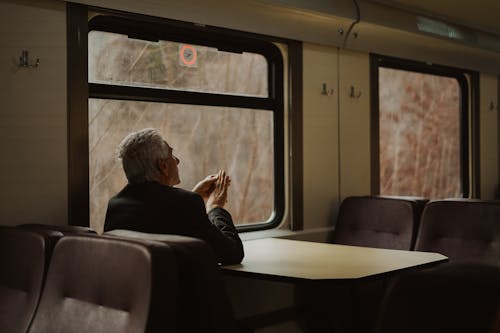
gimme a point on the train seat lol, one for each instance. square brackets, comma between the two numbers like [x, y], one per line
[461, 229]
[378, 221]
[64, 229]
[24, 257]
[453, 297]
[98, 284]
[203, 305]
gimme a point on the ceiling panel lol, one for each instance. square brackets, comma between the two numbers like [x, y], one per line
[479, 14]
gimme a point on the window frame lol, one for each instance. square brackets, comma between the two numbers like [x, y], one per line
[152, 28]
[469, 117]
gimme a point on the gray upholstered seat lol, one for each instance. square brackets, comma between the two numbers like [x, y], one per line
[24, 257]
[97, 284]
[453, 297]
[203, 304]
[378, 221]
[461, 230]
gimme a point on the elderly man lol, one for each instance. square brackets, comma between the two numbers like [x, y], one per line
[150, 202]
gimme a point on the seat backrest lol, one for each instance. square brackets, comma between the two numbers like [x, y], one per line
[461, 229]
[64, 229]
[378, 221]
[24, 258]
[202, 293]
[97, 284]
[453, 297]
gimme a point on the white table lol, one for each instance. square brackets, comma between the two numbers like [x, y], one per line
[291, 260]
[316, 267]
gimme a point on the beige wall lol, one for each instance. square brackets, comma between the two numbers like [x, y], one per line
[33, 171]
[336, 131]
[488, 136]
[354, 124]
[320, 135]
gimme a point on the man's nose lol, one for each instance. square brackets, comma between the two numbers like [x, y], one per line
[177, 160]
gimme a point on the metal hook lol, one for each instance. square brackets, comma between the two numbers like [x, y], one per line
[353, 94]
[25, 62]
[492, 106]
[325, 91]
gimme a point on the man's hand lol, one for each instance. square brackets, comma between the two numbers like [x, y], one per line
[218, 196]
[206, 186]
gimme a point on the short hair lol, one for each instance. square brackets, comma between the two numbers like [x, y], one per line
[139, 152]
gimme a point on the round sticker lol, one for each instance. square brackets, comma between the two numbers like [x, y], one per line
[188, 55]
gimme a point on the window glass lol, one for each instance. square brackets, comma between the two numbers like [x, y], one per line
[419, 128]
[217, 99]
[204, 138]
[119, 60]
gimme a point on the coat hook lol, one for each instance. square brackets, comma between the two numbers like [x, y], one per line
[353, 94]
[325, 91]
[492, 106]
[24, 60]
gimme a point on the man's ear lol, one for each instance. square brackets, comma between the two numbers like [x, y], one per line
[161, 164]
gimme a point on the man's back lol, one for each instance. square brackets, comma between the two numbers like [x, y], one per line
[151, 207]
[154, 208]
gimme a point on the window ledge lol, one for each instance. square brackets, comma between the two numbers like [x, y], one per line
[314, 235]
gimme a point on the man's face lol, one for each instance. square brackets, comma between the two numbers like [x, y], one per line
[171, 170]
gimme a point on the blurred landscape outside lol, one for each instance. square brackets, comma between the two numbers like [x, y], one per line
[204, 138]
[419, 117]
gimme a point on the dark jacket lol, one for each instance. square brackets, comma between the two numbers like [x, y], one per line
[154, 208]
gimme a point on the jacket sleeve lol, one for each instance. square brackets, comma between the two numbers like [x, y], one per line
[217, 229]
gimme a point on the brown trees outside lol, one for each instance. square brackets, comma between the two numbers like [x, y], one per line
[419, 134]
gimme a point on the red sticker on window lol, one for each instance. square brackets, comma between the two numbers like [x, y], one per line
[188, 55]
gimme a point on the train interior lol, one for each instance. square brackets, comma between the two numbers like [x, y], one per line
[358, 123]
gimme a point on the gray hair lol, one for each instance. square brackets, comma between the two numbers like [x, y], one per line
[139, 152]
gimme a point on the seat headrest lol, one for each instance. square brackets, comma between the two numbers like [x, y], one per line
[102, 284]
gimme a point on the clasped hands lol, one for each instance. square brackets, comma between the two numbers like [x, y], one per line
[213, 190]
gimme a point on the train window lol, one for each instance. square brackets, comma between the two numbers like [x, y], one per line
[217, 98]
[422, 131]
[120, 60]
[213, 137]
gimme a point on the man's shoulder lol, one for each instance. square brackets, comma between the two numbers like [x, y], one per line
[185, 194]
[154, 194]
[179, 191]
[174, 192]
[153, 187]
